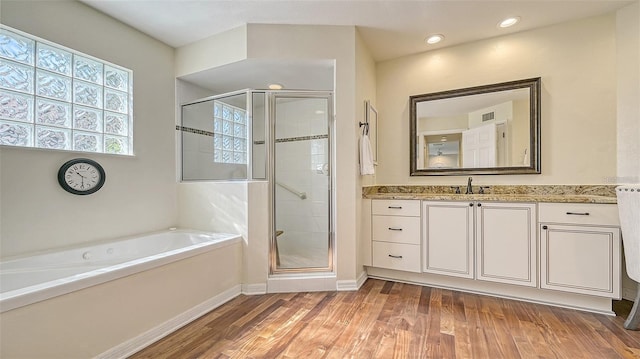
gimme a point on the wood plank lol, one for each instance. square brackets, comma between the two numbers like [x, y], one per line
[395, 320]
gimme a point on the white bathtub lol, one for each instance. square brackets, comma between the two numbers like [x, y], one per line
[35, 278]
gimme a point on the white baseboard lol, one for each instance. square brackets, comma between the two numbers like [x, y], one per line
[145, 339]
[346, 285]
[362, 278]
[254, 289]
[351, 285]
[301, 283]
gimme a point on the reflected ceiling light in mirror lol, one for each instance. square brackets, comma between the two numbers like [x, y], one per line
[508, 22]
[275, 87]
[434, 39]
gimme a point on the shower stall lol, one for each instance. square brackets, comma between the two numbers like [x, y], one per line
[283, 137]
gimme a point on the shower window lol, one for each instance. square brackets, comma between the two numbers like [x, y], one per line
[229, 134]
[53, 97]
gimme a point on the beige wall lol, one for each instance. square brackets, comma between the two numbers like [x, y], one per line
[365, 90]
[628, 104]
[217, 50]
[140, 192]
[577, 63]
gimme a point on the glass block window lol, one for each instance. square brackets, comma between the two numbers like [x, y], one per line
[57, 98]
[229, 134]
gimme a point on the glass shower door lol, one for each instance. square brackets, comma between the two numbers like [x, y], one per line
[301, 238]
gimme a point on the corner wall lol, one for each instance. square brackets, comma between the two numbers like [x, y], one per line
[628, 104]
[365, 90]
[335, 43]
[140, 191]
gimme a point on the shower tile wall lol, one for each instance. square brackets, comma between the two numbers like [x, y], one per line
[302, 164]
[197, 148]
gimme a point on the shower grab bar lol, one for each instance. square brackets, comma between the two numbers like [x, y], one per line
[302, 195]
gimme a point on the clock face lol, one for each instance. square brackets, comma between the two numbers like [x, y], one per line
[81, 176]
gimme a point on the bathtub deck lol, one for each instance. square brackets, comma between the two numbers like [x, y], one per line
[386, 319]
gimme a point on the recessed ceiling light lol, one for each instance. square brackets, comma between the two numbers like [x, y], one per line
[510, 21]
[275, 87]
[434, 39]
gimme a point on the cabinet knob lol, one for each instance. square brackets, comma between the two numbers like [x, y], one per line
[479, 204]
[545, 227]
[470, 204]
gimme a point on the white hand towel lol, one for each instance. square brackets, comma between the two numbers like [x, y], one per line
[629, 212]
[366, 156]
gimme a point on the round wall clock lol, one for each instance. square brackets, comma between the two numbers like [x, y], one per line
[81, 176]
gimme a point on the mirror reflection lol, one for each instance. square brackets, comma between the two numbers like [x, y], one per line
[486, 129]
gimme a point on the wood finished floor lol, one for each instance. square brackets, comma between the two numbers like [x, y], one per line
[395, 320]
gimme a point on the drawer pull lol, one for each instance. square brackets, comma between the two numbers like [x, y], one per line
[395, 229]
[578, 213]
[392, 256]
[395, 207]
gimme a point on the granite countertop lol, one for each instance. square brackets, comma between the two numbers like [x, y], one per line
[601, 194]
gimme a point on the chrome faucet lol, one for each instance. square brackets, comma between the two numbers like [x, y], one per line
[469, 188]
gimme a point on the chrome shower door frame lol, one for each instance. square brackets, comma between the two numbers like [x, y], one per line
[272, 96]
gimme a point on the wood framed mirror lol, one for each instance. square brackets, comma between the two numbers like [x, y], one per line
[490, 129]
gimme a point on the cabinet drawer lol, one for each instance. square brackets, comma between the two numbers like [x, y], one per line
[396, 229]
[405, 257]
[394, 207]
[579, 213]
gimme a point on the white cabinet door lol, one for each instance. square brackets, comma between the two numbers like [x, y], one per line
[580, 259]
[448, 238]
[506, 240]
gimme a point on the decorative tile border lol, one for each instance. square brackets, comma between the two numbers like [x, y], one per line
[194, 130]
[295, 139]
[279, 140]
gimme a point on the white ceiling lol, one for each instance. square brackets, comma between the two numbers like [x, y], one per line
[390, 28]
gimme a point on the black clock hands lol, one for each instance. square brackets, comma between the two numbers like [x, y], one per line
[81, 179]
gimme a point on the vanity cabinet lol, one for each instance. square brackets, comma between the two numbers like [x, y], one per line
[580, 249]
[483, 240]
[396, 234]
[448, 238]
[506, 243]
